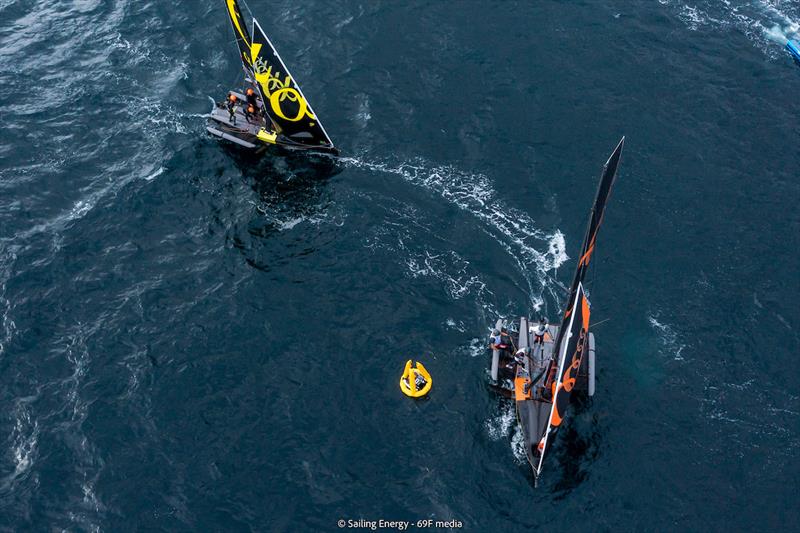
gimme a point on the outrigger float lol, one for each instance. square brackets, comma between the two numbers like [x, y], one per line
[281, 114]
[540, 367]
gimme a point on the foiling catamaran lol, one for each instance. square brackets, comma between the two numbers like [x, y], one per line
[282, 115]
[541, 367]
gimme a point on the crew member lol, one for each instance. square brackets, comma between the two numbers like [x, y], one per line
[250, 112]
[496, 341]
[539, 331]
[230, 105]
[251, 98]
[506, 339]
[519, 357]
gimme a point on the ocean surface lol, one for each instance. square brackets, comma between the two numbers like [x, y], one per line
[191, 339]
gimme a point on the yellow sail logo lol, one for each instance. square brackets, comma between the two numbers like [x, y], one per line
[235, 19]
[277, 90]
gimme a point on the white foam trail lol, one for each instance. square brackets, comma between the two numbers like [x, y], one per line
[763, 21]
[458, 326]
[439, 266]
[668, 337]
[518, 445]
[363, 114]
[477, 347]
[513, 229]
[155, 174]
[330, 216]
[504, 426]
[499, 426]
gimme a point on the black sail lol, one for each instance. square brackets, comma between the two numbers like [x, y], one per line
[284, 102]
[570, 357]
[595, 219]
[243, 39]
[573, 334]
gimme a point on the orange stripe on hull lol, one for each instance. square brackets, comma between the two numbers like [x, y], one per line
[519, 388]
[586, 312]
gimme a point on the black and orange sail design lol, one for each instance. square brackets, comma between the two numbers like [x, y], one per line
[572, 340]
[571, 357]
[595, 219]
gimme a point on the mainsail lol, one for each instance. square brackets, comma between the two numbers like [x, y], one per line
[285, 103]
[282, 99]
[243, 40]
[573, 334]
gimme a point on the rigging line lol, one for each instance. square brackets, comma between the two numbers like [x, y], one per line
[598, 323]
[247, 7]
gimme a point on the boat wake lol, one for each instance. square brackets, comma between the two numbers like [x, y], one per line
[765, 22]
[504, 426]
[536, 253]
[668, 338]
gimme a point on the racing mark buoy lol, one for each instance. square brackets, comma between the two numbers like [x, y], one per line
[415, 381]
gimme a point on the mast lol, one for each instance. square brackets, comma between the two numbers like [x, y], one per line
[573, 335]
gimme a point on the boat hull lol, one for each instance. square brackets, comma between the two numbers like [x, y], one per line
[533, 402]
[249, 133]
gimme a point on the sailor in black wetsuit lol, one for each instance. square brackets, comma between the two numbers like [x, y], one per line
[250, 112]
[230, 105]
[506, 340]
[251, 98]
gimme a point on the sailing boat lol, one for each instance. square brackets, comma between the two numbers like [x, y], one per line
[541, 365]
[282, 115]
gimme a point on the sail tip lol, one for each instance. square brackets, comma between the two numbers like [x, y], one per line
[616, 153]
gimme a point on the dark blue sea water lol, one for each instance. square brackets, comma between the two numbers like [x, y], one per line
[193, 340]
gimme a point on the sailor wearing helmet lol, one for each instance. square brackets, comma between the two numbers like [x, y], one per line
[496, 340]
[539, 331]
[519, 357]
[230, 105]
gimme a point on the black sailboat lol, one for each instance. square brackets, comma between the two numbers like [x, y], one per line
[542, 365]
[272, 109]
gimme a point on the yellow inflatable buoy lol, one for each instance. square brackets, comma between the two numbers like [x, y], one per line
[415, 381]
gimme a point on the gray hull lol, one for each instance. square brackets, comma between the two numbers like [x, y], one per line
[243, 132]
[533, 408]
[237, 129]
